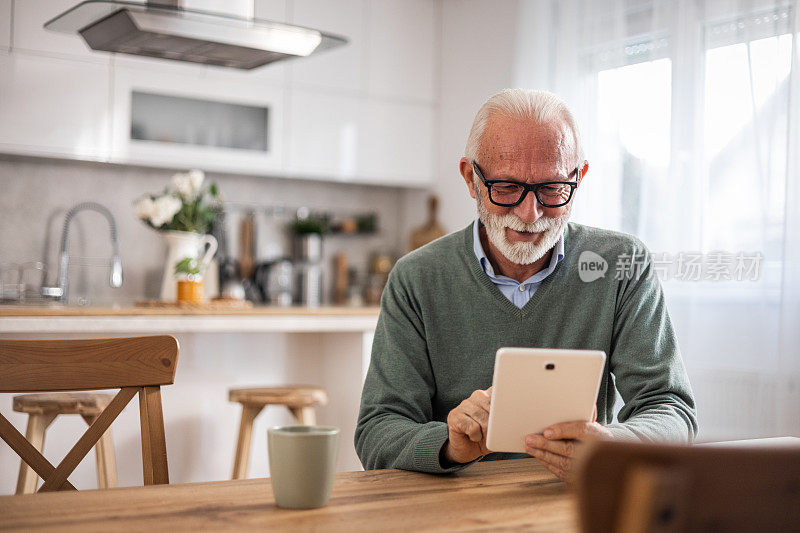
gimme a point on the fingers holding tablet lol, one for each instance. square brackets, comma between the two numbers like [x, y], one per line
[557, 446]
[467, 428]
[565, 448]
[577, 429]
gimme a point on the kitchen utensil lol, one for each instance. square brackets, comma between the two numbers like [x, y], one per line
[309, 284]
[341, 278]
[429, 231]
[308, 247]
[271, 235]
[232, 289]
[247, 245]
[280, 284]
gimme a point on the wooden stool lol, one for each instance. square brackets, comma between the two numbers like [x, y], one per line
[42, 409]
[299, 399]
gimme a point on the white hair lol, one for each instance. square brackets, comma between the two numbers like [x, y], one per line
[540, 107]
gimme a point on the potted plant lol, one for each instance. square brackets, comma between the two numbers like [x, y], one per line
[183, 214]
[190, 280]
[308, 230]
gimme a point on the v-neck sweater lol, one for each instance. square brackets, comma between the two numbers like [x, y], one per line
[442, 320]
[518, 292]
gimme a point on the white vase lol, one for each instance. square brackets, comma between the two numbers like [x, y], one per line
[184, 244]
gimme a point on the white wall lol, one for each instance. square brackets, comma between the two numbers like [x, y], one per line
[486, 46]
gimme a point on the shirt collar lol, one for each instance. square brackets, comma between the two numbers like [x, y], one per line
[486, 266]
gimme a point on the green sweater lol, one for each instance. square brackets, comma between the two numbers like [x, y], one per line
[442, 320]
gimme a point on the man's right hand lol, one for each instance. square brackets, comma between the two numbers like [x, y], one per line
[467, 428]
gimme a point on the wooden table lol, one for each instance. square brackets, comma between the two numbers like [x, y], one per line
[493, 495]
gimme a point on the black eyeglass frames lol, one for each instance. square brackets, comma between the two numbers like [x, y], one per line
[507, 193]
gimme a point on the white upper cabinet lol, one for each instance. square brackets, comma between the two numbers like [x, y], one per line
[324, 135]
[364, 112]
[357, 140]
[5, 24]
[30, 35]
[402, 49]
[185, 116]
[396, 145]
[341, 68]
[57, 107]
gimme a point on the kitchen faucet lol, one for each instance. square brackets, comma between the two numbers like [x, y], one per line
[60, 292]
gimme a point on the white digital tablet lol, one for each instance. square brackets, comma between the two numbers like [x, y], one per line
[534, 388]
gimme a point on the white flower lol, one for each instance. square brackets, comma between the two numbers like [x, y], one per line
[164, 209]
[145, 208]
[188, 183]
[196, 177]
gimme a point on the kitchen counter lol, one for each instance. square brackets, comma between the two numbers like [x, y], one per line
[56, 319]
[55, 310]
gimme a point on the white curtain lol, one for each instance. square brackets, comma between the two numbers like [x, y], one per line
[690, 112]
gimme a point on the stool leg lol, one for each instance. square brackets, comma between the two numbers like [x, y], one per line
[249, 413]
[104, 455]
[305, 416]
[37, 425]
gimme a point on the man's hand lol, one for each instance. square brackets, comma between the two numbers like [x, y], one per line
[555, 449]
[467, 426]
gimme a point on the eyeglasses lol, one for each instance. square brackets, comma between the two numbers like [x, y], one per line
[508, 193]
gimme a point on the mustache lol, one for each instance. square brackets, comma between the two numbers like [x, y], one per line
[512, 221]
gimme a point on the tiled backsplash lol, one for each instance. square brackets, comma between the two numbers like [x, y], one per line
[36, 193]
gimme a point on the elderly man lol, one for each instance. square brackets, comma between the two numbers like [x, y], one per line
[512, 278]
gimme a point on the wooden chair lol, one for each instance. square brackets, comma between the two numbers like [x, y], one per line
[42, 410]
[636, 488]
[134, 365]
[299, 399]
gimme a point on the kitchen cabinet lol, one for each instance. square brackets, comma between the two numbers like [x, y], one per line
[402, 49]
[54, 107]
[196, 149]
[397, 142]
[359, 140]
[5, 24]
[30, 35]
[364, 112]
[361, 113]
[343, 67]
[323, 135]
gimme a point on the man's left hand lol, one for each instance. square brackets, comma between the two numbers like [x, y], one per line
[556, 447]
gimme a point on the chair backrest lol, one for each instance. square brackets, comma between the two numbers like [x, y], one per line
[632, 487]
[134, 365]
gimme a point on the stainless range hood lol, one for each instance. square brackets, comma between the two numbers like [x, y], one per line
[165, 30]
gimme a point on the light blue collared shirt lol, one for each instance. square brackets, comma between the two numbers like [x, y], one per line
[518, 293]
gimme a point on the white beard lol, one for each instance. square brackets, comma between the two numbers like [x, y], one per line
[521, 253]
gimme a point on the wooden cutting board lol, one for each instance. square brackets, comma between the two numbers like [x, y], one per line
[219, 303]
[431, 230]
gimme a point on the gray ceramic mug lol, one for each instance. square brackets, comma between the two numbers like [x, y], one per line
[302, 464]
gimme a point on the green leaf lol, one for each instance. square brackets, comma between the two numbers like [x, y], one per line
[187, 265]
